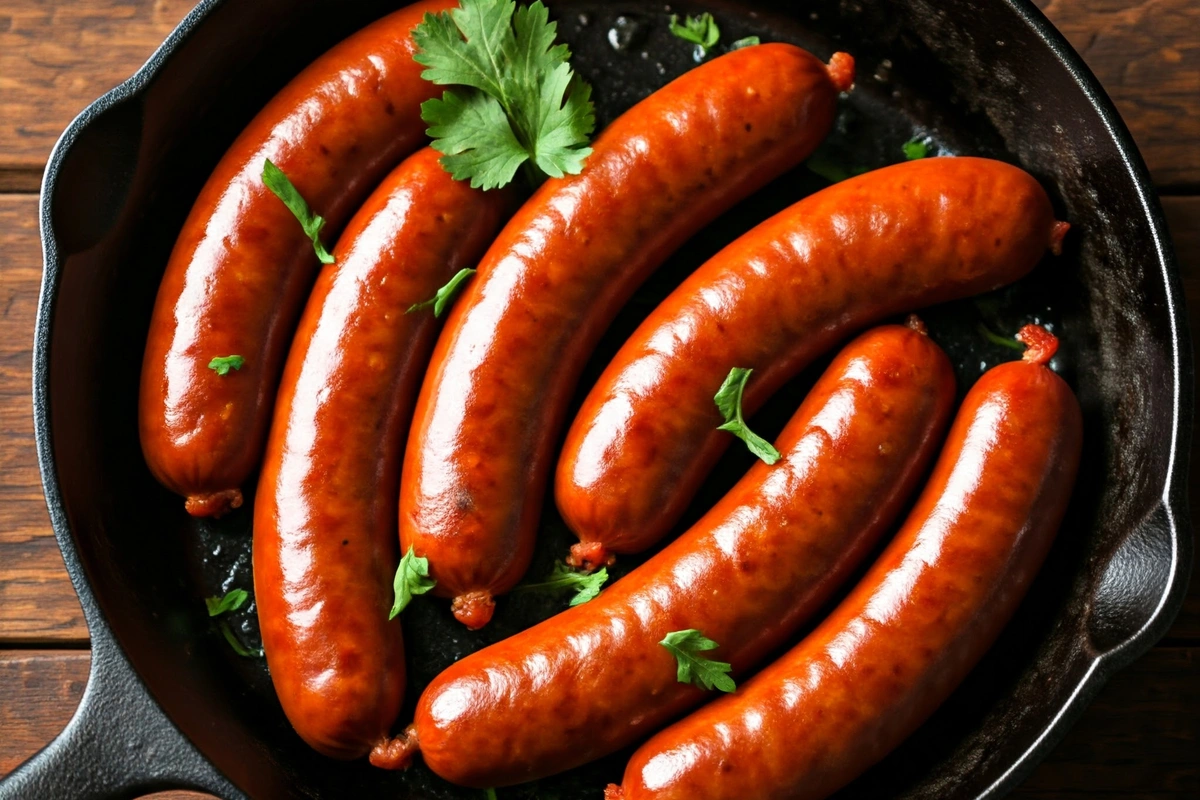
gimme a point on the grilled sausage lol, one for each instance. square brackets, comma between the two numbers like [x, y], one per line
[324, 514]
[747, 575]
[242, 266]
[912, 629]
[903, 237]
[493, 403]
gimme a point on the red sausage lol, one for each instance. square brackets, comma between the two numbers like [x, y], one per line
[324, 515]
[916, 625]
[903, 237]
[594, 678]
[493, 403]
[242, 267]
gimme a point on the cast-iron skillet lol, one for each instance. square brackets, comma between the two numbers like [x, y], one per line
[169, 704]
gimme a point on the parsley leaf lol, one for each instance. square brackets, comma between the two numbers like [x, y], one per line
[444, 295]
[586, 585]
[312, 223]
[701, 31]
[412, 578]
[222, 364]
[729, 403]
[749, 41]
[232, 601]
[489, 794]
[695, 669]
[996, 338]
[520, 104]
[915, 149]
[238, 647]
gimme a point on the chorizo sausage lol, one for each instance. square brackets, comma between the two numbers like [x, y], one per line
[324, 514]
[493, 404]
[242, 267]
[899, 238]
[935, 601]
[595, 678]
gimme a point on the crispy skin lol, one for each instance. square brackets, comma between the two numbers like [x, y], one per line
[493, 403]
[910, 631]
[324, 516]
[893, 240]
[242, 267]
[594, 678]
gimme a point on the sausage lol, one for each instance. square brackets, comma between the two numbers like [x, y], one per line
[894, 650]
[594, 678]
[324, 515]
[902, 237]
[494, 401]
[242, 266]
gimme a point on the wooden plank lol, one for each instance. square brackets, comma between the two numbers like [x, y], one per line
[56, 56]
[37, 601]
[1146, 54]
[1139, 739]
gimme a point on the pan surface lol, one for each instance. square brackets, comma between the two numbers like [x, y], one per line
[966, 78]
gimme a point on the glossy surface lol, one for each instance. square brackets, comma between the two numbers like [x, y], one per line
[242, 266]
[930, 607]
[325, 524]
[594, 678]
[493, 403]
[896, 239]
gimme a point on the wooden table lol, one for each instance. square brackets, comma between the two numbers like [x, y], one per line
[1139, 739]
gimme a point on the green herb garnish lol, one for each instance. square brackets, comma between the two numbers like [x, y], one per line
[312, 223]
[915, 149]
[519, 103]
[489, 794]
[695, 669]
[729, 402]
[237, 646]
[444, 295]
[701, 31]
[222, 364]
[412, 578]
[748, 41]
[996, 338]
[232, 601]
[562, 578]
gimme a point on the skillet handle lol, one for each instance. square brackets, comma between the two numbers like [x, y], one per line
[119, 744]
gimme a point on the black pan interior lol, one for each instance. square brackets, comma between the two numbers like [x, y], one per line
[964, 77]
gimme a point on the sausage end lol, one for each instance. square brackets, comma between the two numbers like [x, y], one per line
[395, 753]
[473, 609]
[213, 504]
[1057, 234]
[1040, 344]
[841, 71]
[590, 556]
[613, 792]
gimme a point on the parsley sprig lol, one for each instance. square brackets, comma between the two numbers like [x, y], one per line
[412, 578]
[222, 364]
[696, 669]
[729, 403]
[915, 149]
[232, 601]
[562, 578]
[701, 31]
[444, 295]
[281, 186]
[518, 105]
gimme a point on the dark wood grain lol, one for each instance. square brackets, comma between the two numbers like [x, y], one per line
[56, 56]
[1157, 699]
[1146, 54]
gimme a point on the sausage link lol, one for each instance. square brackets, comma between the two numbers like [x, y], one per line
[242, 267]
[903, 237]
[912, 629]
[493, 403]
[324, 514]
[594, 678]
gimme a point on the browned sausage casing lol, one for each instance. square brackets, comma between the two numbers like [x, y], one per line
[493, 403]
[325, 511]
[895, 239]
[595, 678]
[912, 629]
[242, 266]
